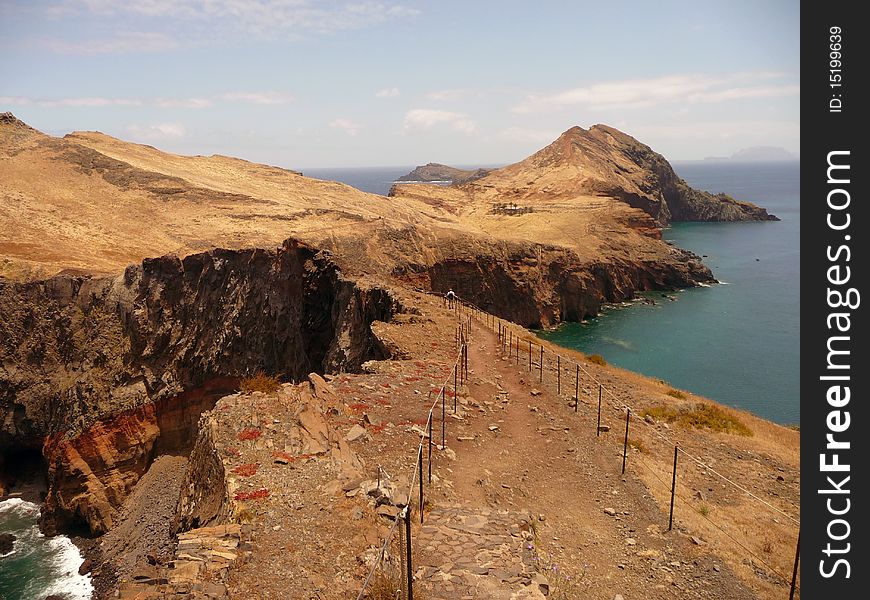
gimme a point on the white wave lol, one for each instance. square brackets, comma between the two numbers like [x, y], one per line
[67, 561]
[65, 556]
[20, 507]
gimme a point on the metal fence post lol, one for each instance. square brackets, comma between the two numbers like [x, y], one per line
[625, 443]
[541, 366]
[598, 431]
[443, 420]
[576, 386]
[430, 445]
[420, 471]
[530, 355]
[410, 573]
[558, 374]
[797, 557]
[673, 489]
[455, 388]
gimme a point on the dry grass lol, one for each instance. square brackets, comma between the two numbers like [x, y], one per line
[597, 359]
[260, 382]
[700, 416]
[633, 443]
[676, 394]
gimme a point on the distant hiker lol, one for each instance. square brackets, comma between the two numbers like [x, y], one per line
[451, 298]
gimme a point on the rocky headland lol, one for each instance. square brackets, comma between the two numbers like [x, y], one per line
[139, 289]
[436, 172]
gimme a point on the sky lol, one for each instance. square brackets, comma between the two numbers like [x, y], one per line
[321, 83]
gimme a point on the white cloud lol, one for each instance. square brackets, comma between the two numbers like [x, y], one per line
[207, 22]
[642, 93]
[387, 93]
[258, 97]
[182, 102]
[425, 118]
[192, 103]
[160, 131]
[346, 125]
[69, 102]
[132, 41]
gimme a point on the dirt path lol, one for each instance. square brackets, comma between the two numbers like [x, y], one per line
[595, 533]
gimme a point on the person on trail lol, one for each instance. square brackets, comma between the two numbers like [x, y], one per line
[451, 298]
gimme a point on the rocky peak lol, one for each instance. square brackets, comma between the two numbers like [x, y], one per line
[604, 161]
[7, 119]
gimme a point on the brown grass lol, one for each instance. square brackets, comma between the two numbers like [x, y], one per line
[676, 394]
[633, 443]
[260, 382]
[597, 359]
[700, 416]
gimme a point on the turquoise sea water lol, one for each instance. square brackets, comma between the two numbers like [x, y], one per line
[38, 566]
[737, 342]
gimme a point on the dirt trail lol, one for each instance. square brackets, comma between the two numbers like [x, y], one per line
[594, 532]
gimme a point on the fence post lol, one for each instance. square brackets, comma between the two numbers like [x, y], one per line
[576, 386]
[430, 445]
[410, 573]
[558, 374]
[673, 489]
[797, 557]
[598, 431]
[541, 366]
[510, 342]
[455, 388]
[625, 443]
[530, 355]
[420, 471]
[518, 350]
[443, 420]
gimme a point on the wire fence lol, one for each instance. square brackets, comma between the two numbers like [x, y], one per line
[391, 574]
[392, 569]
[512, 343]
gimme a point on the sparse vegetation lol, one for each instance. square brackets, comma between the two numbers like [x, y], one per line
[676, 394]
[704, 510]
[699, 416]
[260, 382]
[597, 359]
[637, 444]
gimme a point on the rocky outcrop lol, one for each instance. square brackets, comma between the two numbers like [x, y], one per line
[435, 172]
[105, 372]
[603, 161]
[543, 288]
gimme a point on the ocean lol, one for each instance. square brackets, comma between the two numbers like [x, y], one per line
[736, 342]
[38, 566]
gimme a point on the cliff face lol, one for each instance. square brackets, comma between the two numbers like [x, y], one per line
[544, 288]
[108, 371]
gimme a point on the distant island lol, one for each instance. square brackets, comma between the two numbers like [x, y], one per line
[757, 154]
[436, 172]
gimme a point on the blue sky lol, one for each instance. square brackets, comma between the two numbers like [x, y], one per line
[306, 83]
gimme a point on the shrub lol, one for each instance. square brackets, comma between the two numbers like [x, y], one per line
[597, 359]
[676, 394]
[704, 510]
[700, 416]
[246, 470]
[637, 444]
[260, 382]
[249, 433]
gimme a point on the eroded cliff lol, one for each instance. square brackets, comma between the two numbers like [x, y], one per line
[105, 372]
